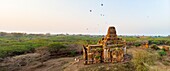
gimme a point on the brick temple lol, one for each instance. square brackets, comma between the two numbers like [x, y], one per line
[109, 49]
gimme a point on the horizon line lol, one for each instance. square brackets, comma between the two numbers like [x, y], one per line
[83, 33]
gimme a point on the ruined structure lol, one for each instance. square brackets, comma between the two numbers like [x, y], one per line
[109, 49]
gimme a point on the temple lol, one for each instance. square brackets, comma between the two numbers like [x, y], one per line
[109, 49]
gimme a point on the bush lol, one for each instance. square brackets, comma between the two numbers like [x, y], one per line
[55, 47]
[154, 42]
[160, 42]
[154, 46]
[73, 53]
[137, 44]
[162, 52]
[15, 50]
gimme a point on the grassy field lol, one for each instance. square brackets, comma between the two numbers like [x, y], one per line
[20, 44]
[151, 40]
[69, 45]
[11, 45]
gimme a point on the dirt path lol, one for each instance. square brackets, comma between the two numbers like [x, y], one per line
[60, 64]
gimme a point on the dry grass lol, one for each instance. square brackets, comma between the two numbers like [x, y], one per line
[143, 59]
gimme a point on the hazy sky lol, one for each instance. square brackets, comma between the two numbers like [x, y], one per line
[144, 17]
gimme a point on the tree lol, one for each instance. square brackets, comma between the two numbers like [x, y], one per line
[3, 33]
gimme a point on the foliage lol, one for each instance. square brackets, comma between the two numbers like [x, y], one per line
[151, 40]
[55, 47]
[160, 41]
[20, 43]
[154, 46]
[154, 42]
[137, 44]
[17, 43]
[15, 50]
[73, 53]
[97, 56]
[162, 53]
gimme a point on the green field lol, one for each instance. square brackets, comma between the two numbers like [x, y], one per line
[11, 45]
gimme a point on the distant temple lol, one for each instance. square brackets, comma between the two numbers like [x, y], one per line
[109, 49]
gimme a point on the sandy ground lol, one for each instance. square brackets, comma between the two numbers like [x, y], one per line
[60, 64]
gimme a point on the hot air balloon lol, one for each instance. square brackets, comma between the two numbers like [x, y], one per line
[90, 10]
[101, 14]
[101, 4]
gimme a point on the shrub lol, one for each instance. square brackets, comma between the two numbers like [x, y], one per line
[162, 52]
[15, 50]
[73, 53]
[3, 54]
[154, 42]
[97, 56]
[154, 46]
[137, 44]
[55, 47]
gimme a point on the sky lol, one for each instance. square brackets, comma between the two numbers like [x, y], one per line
[130, 17]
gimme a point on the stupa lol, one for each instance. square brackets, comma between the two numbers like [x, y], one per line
[109, 49]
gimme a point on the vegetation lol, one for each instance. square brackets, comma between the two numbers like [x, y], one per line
[154, 46]
[143, 59]
[73, 52]
[162, 53]
[20, 43]
[151, 40]
[137, 44]
[55, 47]
[97, 56]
